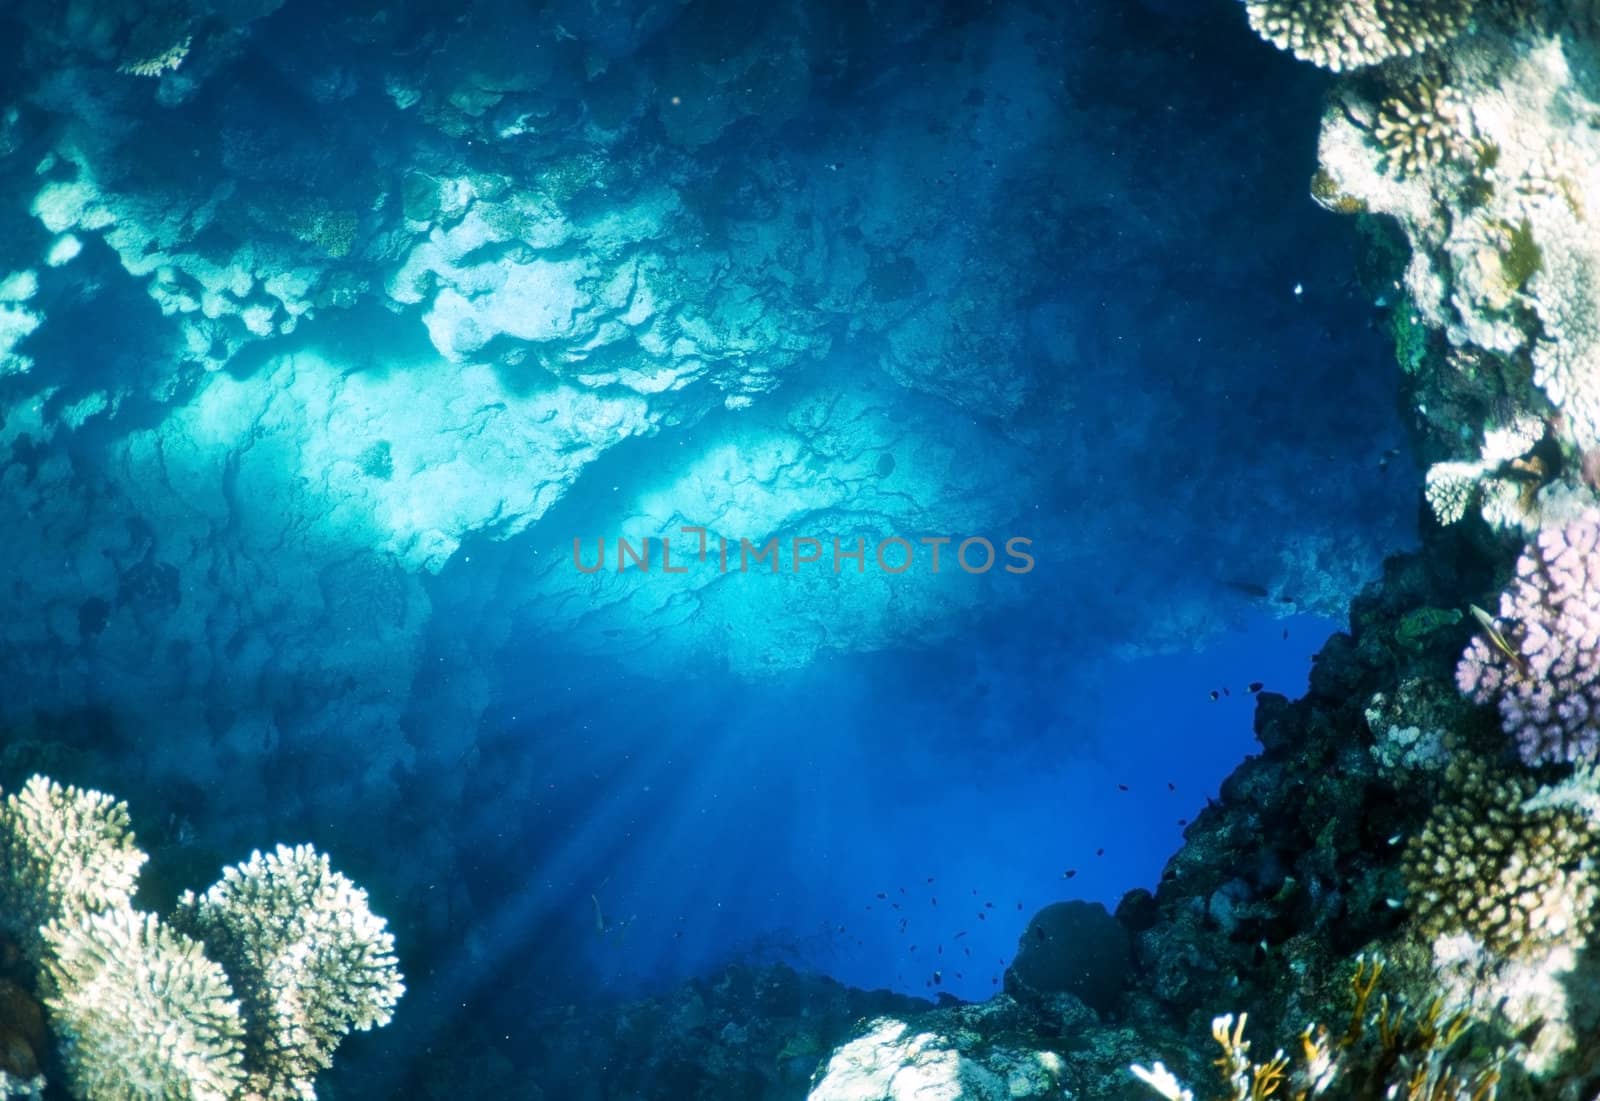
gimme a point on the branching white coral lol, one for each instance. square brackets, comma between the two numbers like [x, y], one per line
[1349, 34]
[141, 1013]
[1566, 360]
[310, 960]
[64, 852]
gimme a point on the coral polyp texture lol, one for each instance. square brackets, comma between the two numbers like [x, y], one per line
[1541, 662]
[141, 1013]
[63, 852]
[1350, 34]
[1516, 877]
[1423, 127]
[1483, 164]
[244, 997]
[311, 959]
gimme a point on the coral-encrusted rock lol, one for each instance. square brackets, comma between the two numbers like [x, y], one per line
[1072, 948]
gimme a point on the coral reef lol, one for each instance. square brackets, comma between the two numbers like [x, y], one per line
[1519, 880]
[142, 1014]
[1423, 127]
[285, 958]
[1540, 661]
[1072, 948]
[1349, 34]
[64, 853]
[1481, 161]
[311, 960]
[1385, 1050]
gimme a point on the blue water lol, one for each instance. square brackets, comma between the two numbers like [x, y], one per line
[999, 270]
[774, 822]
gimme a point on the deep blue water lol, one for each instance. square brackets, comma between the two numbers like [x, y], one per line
[1004, 270]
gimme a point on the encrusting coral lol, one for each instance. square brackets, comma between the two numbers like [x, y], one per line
[243, 998]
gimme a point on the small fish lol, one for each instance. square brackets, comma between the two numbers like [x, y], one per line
[934, 901]
[1069, 873]
[894, 906]
[988, 906]
[883, 894]
[1225, 691]
[1122, 787]
[982, 916]
[1019, 905]
[1215, 695]
[1038, 932]
[1498, 639]
[938, 978]
[1171, 786]
[930, 879]
[968, 951]
[994, 980]
[913, 947]
[1183, 821]
[959, 935]
[599, 918]
[1286, 634]
[939, 950]
[1255, 686]
[1099, 852]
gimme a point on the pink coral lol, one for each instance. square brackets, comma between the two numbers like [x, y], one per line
[1550, 699]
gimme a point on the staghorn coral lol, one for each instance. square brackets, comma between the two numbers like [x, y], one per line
[1350, 34]
[1423, 127]
[142, 1014]
[1385, 1050]
[311, 962]
[1547, 679]
[1516, 876]
[64, 852]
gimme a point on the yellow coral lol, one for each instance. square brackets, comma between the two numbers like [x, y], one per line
[1385, 1052]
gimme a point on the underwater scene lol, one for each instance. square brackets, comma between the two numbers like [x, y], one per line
[813, 550]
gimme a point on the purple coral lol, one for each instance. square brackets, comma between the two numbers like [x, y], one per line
[1550, 699]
